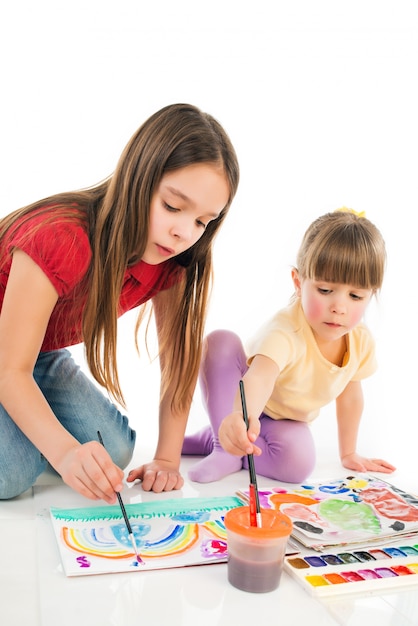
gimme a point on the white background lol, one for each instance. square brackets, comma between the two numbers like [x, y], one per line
[320, 100]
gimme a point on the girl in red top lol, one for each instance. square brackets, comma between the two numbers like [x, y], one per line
[70, 265]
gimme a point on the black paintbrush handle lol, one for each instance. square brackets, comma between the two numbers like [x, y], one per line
[251, 468]
[122, 506]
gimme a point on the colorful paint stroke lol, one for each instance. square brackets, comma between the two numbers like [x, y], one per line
[354, 509]
[168, 533]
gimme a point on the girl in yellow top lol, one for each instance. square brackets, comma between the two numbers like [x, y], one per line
[312, 352]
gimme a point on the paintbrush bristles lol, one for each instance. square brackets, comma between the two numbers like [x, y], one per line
[125, 515]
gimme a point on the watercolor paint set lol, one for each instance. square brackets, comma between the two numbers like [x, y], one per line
[359, 570]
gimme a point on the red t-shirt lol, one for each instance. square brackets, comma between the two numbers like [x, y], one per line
[62, 250]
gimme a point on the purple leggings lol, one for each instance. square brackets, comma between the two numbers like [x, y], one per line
[288, 451]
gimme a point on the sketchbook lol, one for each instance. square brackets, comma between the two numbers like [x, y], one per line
[357, 509]
[168, 533]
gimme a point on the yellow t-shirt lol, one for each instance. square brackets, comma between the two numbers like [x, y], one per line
[307, 380]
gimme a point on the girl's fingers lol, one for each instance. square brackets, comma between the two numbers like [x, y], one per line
[90, 470]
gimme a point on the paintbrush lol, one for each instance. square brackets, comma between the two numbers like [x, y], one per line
[255, 512]
[125, 515]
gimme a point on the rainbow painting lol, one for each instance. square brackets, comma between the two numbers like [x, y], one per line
[168, 533]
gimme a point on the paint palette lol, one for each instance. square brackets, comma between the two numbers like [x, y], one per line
[356, 571]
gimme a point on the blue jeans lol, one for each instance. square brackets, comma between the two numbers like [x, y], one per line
[81, 408]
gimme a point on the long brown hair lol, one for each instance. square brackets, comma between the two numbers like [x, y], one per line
[116, 214]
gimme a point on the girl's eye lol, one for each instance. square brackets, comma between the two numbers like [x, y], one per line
[200, 223]
[170, 208]
[324, 291]
[354, 296]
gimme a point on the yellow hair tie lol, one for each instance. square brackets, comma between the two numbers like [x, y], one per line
[358, 213]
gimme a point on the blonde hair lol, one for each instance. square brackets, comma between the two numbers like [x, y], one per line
[343, 247]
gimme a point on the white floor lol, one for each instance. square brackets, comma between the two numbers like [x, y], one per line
[337, 126]
[35, 592]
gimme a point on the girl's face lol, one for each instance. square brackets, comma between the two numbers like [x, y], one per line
[183, 204]
[331, 309]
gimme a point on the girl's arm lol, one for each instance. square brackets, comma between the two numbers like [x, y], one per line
[28, 303]
[258, 382]
[163, 472]
[349, 407]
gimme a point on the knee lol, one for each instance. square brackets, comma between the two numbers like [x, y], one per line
[222, 345]
[288, 448]
[123, 457]
[299, 469]
[288, 468]
[13, 486]
[121, 448]
[9, 489]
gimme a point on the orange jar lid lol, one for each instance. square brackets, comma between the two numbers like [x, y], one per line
[274, 523]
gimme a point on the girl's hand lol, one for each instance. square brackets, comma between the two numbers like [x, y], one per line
[235, 438]
[89, 470]
[362, 464]
[157, 476]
